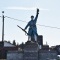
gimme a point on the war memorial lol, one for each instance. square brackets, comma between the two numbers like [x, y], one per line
[33, 49]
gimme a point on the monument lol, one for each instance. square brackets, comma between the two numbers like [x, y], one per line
[33, 49]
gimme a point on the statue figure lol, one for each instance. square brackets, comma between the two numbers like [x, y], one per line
[32, 32]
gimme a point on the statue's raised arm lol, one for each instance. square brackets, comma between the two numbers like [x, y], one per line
[36, 15]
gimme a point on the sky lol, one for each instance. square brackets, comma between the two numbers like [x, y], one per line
[49, 15]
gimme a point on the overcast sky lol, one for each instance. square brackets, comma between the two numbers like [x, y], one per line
[49, 15]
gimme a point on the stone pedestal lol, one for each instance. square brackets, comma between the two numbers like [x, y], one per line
[31, 51]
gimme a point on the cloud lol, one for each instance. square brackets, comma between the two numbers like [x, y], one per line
[24, 8]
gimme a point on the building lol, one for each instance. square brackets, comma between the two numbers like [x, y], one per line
[4, 48]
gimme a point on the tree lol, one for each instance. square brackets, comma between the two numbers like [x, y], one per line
[14, 43]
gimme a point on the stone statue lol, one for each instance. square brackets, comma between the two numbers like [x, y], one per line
[32, 32]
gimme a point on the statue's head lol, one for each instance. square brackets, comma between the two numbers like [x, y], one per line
[32, 17]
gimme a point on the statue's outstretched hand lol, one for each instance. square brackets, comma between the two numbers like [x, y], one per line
[37, 10]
